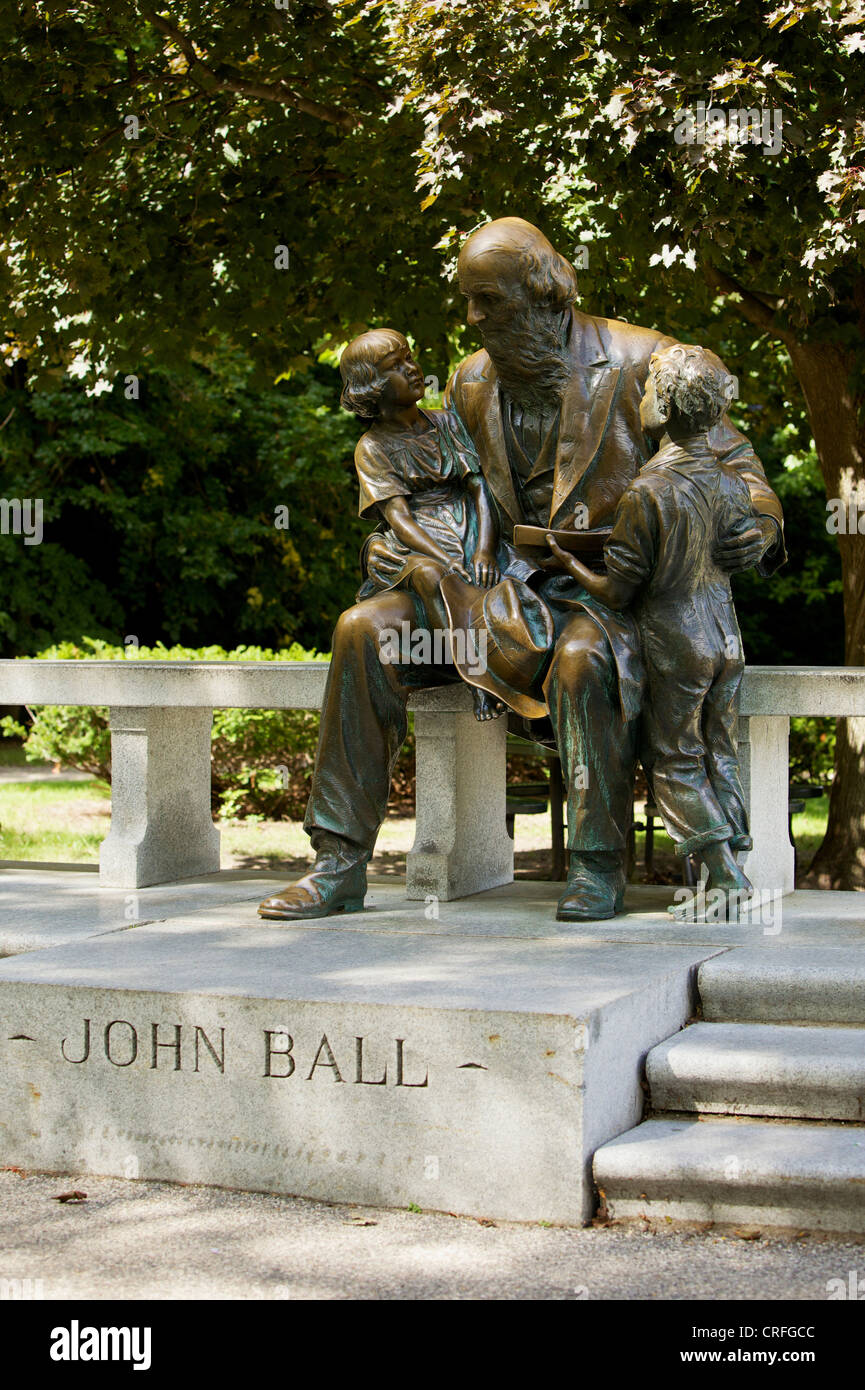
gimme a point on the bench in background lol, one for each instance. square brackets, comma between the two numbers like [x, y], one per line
[161, 715]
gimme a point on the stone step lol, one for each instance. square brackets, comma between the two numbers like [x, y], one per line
[761, 1069]
[797, 984]
[764, 1173]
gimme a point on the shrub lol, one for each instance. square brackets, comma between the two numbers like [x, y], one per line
[812, 750]
[262, 759]
[160, 512]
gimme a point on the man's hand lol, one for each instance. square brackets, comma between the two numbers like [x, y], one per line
[742, 552]
[386, 564]
[486, 571]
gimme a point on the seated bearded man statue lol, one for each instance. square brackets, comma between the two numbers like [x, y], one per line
[552, 406]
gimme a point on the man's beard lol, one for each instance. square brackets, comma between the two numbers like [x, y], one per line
[530, 357]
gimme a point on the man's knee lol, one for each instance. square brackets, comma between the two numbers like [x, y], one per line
[352, 626]
[582, 656]
[371, 620]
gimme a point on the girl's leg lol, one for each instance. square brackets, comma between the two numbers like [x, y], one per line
[425, 581]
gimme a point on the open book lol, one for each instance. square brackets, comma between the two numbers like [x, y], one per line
[589, 545]
[580, 542]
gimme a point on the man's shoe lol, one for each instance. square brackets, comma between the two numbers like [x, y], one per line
[335, 883]
[596, 888]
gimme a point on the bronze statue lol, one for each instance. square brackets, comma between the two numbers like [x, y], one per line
[659, 558]
[552, 406]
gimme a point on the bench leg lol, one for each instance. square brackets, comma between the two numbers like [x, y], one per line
[161, 826]
[764, 757]
[461, 842]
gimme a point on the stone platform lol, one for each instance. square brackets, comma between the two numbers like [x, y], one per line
[467, 1056]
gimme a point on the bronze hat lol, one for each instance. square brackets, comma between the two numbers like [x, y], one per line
[519, 634]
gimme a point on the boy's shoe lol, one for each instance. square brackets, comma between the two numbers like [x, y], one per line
[714, 906]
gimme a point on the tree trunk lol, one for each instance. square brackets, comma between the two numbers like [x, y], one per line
[825, 372]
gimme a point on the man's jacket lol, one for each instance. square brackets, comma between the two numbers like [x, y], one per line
[601, 445]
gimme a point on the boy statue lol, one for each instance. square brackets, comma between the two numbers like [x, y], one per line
[659, 558]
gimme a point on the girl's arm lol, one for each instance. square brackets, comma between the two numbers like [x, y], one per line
[405, 528]
[486, 571]
[615, 593]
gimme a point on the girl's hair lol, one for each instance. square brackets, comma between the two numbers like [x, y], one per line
[693, 382]
[358, 366]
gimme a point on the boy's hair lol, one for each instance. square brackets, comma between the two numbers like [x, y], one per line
[363, 383]
[693, 382]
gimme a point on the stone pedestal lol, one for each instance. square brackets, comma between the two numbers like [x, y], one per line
[384, 1058]
[461, 843]
[161, 826]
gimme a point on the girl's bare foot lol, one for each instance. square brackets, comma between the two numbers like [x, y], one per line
[487, 706]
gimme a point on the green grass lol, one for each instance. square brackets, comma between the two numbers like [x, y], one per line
[809, 829]
[54, 821]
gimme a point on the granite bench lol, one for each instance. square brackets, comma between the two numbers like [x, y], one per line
[161, 714]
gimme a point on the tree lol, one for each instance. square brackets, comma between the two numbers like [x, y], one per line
[157, 163]
[202, 510]
[170, 175]
[588, 121]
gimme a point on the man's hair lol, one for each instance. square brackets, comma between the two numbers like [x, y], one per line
[550, 280]
[693, 383]
[358, 367]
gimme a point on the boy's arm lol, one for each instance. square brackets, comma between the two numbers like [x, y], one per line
[406, 529]
[630, 551]
[486, 571]
[607, 588]
[761, 544]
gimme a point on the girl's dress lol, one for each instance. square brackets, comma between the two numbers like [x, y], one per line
[430, 470]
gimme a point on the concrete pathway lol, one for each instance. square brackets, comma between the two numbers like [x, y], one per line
[53, 904]
[132, 1240]
[156, 1240]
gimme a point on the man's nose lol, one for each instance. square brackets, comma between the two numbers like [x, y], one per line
[474, 314]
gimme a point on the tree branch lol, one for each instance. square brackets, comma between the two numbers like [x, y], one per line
[184, 43]
[224, 80]
[753, 306]
[281, 92]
